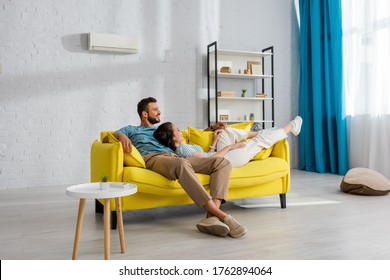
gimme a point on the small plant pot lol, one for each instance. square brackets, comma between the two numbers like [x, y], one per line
[104, 186]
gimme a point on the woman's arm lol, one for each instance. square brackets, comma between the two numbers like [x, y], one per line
[224, 151]
[217, 135]
[187, 150]
[221, 153]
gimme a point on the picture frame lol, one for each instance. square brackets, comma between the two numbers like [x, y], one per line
[223, 117]
[255, 67]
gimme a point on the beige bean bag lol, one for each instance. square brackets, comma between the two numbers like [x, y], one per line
[364, 181]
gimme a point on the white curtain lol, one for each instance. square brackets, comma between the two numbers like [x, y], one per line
[366, 51]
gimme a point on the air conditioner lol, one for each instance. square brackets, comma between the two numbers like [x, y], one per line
[112, 43]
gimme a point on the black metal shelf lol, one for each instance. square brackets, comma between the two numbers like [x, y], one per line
[267, 53]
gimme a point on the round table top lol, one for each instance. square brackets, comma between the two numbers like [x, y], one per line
[92, 190]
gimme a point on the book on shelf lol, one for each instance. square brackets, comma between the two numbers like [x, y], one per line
[261, 95]
[225, 93]
[226, 69]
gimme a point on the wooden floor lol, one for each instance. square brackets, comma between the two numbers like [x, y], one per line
[320, 222]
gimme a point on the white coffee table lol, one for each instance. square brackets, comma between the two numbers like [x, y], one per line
[92, 191]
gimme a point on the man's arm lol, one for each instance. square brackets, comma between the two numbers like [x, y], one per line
[126, 143]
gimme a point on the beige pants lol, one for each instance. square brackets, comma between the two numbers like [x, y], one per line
[184, 169]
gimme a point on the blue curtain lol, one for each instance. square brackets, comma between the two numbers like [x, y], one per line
[323, 140]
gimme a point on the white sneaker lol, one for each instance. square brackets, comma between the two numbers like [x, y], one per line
[297, 122]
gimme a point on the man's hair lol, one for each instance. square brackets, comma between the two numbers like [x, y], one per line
[143, 105]
[164, 135]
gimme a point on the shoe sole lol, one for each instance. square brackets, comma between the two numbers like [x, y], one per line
[218, 230]
[238, 234]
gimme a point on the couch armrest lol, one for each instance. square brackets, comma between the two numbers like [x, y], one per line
[106, 159]
[105, 133]
[281, 150]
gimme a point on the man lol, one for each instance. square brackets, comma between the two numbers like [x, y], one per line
[160, 159]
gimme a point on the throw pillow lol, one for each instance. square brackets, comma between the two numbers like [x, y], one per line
[200, 137]
[205, 138]
[133, 159]
[365, 182]
[263, 154]
[185, 136]
[243, 125]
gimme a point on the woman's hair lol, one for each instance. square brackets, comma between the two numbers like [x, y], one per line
[164, 135]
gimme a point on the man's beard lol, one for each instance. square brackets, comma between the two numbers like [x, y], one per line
[153, 120]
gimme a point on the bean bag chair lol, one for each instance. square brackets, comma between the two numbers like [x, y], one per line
[364, 181]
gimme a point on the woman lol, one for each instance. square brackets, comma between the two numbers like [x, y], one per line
[226, 142]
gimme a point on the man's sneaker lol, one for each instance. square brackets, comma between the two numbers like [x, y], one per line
[297, 122]
[213, 226]
[236, 229]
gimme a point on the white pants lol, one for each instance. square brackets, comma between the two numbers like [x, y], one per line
[239, 157]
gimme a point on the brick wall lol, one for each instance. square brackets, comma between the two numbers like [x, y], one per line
[56, 97]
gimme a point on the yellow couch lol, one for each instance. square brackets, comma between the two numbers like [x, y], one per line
[267, 174]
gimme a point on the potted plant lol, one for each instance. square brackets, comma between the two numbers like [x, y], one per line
[243, 92]
[104, 184]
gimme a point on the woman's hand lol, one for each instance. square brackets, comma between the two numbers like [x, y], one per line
[225, 150]
[217, 134]
[237, 145]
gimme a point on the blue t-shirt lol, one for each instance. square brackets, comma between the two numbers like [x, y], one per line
[142, 138]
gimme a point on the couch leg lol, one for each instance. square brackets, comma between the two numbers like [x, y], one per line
[113, 220]
[282, 200]
[98, 207]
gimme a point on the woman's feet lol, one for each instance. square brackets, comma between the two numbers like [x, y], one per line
[297, 123]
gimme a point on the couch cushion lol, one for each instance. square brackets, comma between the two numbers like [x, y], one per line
[259, 172]
[252, 174]
[133, 159]
[151, 182]
[365, 182]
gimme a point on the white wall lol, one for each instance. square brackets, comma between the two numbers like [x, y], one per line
[254, 25]
[56, 97]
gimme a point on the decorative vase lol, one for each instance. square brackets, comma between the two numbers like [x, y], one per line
[104, 186]
[251, 116]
